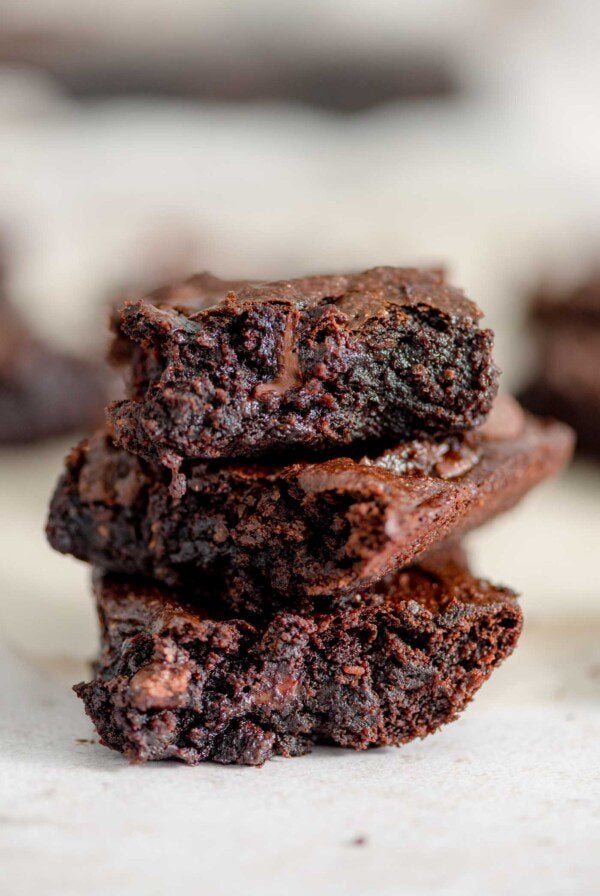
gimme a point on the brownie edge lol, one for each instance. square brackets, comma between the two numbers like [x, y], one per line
[175, 681]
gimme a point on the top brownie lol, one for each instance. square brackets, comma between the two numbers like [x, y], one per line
[234, 369]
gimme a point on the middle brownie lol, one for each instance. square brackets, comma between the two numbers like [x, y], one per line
[257, 537]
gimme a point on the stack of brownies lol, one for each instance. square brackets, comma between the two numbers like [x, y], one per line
[274, 515]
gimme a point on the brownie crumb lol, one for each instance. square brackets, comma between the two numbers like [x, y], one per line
[359, 841]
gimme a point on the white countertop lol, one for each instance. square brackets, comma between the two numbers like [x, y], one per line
[503, 801]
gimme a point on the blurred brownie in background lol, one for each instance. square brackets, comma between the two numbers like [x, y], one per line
[567, 379]
[324, 74]
[44, 392]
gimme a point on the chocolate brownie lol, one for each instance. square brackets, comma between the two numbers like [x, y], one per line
[176, 681]
[265, 535]
[43, 392]
[222, 370]
[567, 381]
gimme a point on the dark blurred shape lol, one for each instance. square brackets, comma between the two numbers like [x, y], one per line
[566, 328]
[43, 392]
[343, 81]
[577, 306]
[347, 85]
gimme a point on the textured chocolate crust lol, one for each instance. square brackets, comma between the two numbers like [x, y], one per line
[266, 536]
[223, 369]
[175, 682]
[43, 392]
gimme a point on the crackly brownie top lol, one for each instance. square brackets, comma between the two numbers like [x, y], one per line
[262, 534]
[220, 369]
[360, 297]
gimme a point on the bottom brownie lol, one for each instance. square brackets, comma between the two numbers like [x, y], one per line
[176, 681]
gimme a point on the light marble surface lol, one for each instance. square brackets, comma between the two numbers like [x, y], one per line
[503, 801]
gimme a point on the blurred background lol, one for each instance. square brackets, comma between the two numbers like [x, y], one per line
[141, 141]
